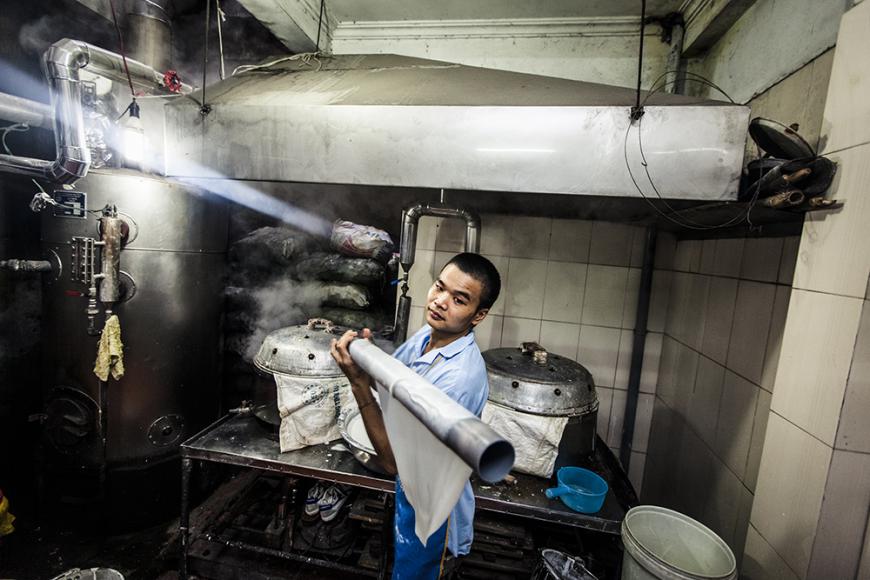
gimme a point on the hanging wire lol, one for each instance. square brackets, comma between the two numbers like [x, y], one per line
[121, 44]
[319, 26]
[221, 17]
[204, 108]
[674, 216]
[640, 55]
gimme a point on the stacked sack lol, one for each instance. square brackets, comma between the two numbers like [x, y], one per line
[281, 277]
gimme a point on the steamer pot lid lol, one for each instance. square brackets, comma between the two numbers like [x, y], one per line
[521, 364]
[301, 350]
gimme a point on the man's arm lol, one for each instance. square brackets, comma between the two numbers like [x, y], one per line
[361, 385]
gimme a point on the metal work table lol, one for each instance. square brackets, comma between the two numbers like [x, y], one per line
[242, 441]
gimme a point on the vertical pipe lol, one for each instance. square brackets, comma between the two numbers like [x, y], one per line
[110, 289]
[637, 349]
[640, 52]
[184, 520]
[675, 81]
[403, 315]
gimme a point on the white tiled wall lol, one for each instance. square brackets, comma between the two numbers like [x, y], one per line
[570, 285]
[722, 338]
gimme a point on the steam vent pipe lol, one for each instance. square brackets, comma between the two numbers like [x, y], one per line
[411, 217]
[408, 247]
[489, 454]
[62, 62]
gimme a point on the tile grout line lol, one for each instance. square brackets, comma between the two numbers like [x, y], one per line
[784, 561]
[712, 451]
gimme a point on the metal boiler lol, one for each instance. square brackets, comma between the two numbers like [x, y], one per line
[531, 380]
[173, 251]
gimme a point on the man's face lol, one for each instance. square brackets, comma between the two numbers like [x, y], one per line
[453, 301]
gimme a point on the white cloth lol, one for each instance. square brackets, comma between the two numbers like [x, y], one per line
[433, 477]
[535, 438]
[309, 409]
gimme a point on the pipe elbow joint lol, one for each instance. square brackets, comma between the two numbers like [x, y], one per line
[71, 166]
[413, 213]
[65, 56]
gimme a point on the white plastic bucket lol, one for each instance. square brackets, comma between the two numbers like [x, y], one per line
[667, 545]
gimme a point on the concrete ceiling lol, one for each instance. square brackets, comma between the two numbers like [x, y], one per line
[367, 10]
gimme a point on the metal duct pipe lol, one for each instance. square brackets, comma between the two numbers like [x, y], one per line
[32, 113]
[62, 63]
[489, 454]
[408, 247]
[149, 33]
[411, 217]
[638, 346]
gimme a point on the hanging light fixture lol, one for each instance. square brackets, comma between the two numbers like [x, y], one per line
[133, 136]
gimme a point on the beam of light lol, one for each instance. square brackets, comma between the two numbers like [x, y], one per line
[244, 194]
[18, 83]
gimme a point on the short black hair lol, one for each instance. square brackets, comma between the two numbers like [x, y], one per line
[481, 270]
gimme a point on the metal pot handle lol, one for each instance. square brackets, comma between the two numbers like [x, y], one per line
[539, 353]
[321, 324]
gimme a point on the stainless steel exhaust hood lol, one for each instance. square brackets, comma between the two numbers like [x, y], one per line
[398, 121]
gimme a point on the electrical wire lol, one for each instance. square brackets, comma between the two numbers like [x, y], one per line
[674, 215]
[304, 57]
[121, 44]
[204, 106]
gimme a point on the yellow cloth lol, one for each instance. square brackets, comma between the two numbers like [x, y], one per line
[110, 352]
[6, 518]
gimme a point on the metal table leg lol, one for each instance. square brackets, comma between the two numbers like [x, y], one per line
[184, 522]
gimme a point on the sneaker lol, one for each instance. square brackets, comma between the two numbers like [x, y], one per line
[332, 502]
[315, 494]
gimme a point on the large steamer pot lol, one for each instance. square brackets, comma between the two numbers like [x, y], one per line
[531, 380]
[300, 352]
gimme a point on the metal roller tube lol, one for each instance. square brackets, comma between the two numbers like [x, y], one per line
[489, 454]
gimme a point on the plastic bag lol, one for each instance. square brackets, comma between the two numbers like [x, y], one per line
[361, 241]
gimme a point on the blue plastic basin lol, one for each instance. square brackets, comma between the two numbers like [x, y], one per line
[580, 489]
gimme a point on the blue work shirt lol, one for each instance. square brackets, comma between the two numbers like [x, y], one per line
[459, 370]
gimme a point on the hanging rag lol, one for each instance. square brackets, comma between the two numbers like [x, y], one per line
[110, 351]
[6, 518]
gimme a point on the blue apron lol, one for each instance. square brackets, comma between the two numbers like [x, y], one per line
[413, 560]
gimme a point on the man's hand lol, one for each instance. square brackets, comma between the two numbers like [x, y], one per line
[360, 381]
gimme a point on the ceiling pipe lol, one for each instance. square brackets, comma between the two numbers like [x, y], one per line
[25, 111]
[62, 63]
[149, 32]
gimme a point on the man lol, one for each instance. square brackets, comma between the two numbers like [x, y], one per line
[444, 352]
